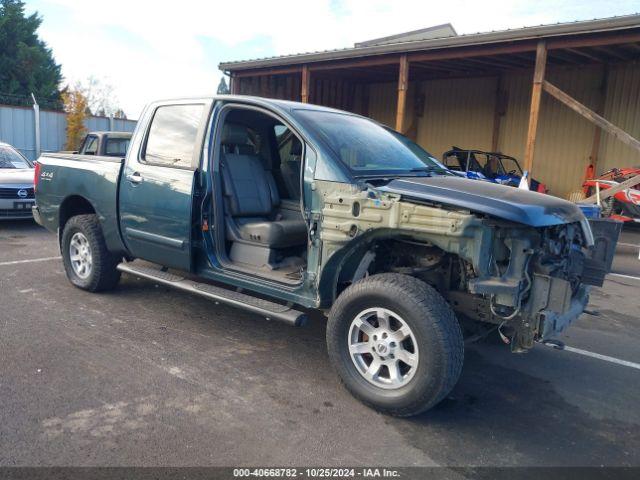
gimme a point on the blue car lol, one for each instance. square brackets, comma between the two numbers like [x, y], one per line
[489, 166]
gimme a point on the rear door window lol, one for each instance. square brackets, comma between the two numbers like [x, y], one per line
[117, 147]
[172, 136]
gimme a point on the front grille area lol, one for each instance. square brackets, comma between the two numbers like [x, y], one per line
[9, 192]
[10, 213]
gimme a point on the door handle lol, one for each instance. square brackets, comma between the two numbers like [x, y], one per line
[135, 177]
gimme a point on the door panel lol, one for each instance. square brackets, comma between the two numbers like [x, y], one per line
[155, 214]
[156, 189]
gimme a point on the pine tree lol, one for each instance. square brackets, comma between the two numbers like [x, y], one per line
[222, 87]
[26, 63]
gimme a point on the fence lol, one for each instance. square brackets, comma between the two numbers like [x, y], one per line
[18, 128]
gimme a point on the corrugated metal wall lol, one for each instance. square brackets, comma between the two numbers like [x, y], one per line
[457, 112]
[564, 139]
[17, 128]
[460, 112]
[622, 108]
[53, 131]
[383, 99]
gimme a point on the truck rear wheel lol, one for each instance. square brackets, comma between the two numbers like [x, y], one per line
[395, 343]
[87, 261]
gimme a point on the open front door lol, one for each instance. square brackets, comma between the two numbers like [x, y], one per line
[156, 189]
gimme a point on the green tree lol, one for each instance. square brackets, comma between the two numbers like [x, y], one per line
[26, 63]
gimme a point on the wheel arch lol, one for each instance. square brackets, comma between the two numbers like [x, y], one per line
[70, 207]
[350, 262]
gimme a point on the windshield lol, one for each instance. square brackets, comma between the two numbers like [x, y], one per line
[10, 158]
[367, 148]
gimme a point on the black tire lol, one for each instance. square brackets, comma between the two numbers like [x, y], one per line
[434, 326]
[103, 275]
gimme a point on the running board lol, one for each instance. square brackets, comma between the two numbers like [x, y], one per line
[270, 310]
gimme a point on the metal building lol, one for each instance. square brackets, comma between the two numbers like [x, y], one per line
[508, 91]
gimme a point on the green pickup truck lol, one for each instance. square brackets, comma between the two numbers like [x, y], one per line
[282, 208]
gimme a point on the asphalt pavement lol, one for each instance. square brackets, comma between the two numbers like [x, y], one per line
[148, 376]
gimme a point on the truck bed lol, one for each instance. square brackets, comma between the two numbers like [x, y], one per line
[66, 180]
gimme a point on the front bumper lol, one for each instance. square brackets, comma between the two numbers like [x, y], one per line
[15, 208]
[16, 201]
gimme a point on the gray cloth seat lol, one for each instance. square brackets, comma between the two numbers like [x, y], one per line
[280, 233]
[252, 199]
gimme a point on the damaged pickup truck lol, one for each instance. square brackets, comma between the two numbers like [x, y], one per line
[283, 208]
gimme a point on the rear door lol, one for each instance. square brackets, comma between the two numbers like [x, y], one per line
[156, 189]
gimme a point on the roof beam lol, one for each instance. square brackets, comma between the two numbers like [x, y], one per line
[569, 42]
[442, 67]
[584, 54]
[632, 46]
[565, 56]
[494, 62]
[612, 53]
[361, 62]
[595, 40]
[466, 52]
[260, 72]
[590, 115]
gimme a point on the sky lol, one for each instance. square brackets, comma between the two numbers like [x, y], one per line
[148, 50]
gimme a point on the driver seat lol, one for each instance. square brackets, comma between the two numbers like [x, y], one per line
[252, 199]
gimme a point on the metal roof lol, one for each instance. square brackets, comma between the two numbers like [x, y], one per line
[501, 36]
[437, 31]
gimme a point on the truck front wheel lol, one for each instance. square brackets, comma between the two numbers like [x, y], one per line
[395, 343]
[87, 261]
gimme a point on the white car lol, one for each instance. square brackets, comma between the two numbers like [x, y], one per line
[16, 184]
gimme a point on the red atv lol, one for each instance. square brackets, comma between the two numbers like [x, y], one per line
[623, 206]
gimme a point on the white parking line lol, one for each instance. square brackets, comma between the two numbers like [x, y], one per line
[621, 275]
[31, 260]
[628, 245]
[606, 358]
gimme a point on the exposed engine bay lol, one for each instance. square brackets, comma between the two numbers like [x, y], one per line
[535, 284]
[529, 281]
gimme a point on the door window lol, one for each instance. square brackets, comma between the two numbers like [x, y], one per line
[172, 135]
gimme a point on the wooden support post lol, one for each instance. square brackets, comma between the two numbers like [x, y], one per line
[597, 134]
[403, 85]
[366, 91]
[497, 114]
[264, 86]
[592, 116]
[534, 112]
[306, 82]
[234, 85]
